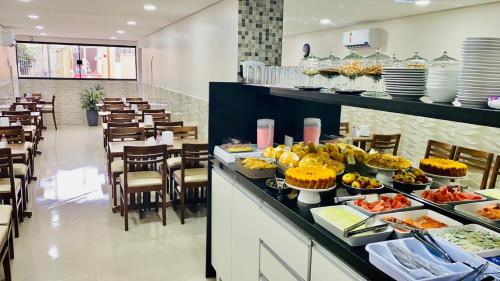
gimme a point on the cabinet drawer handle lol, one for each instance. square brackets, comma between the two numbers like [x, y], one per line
[280, 260]
[284, 223]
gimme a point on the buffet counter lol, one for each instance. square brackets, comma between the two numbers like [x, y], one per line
[249, 220]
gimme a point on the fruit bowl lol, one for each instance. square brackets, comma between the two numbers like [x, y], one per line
[411, 179]
[357, 184]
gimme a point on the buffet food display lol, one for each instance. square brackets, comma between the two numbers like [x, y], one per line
[448, 195]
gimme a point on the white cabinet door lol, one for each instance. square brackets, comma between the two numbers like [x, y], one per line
[273, 267]
[324, 264]
[246, 221]
[222, 188]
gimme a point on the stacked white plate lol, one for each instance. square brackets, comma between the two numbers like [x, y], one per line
[405, 82]
[442, 83]
[480, 73]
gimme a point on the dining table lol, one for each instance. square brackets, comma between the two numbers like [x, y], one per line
[116, 149]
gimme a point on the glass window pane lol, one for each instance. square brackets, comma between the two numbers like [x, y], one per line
[40, 60]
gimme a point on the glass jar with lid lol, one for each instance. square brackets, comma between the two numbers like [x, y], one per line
[395, 62]
[351, 67]
[442, 78]
[309, 66]
[415, 61]
[329, 69]
[373, 66]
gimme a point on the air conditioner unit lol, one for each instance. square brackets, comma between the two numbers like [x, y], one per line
[7, 38]
[363, 38]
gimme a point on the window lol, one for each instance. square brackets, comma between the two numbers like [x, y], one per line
[53, 61]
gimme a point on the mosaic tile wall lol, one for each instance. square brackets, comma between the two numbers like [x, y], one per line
[192, 110]
[260, 30]
[68, 110]
[416, 131]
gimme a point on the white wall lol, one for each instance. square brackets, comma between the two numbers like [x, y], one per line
[430, 34]
[194, 51]
[8, 72]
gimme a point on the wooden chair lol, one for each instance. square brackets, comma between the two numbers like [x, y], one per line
[39, 95]
[107, 100]
[143, 106]
[344, 128]
[122, 111]
[133, 99]
[6, 217]
[6, 247]
[144, 171]
[476, 159]
[386, 142]
[21, 165]
[138, 102]
[23, 116]
[150, 112]
[118, 132]
[439, 150]
[50, 107]
[113, 106]
[161, 126]
[10, 187]
[30, 106]
[121, 117]
[192, 174]
[495, 172]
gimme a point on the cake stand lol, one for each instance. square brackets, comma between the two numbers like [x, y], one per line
[444, 180]
[309, 196]
[384, 175]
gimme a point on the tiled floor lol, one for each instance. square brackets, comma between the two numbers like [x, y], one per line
[73, 235]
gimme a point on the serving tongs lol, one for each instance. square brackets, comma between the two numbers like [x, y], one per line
[369, 223]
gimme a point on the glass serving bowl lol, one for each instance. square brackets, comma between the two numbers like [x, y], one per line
[415, 62]
[310, 66]
[329, 69]
[373, 66]
[351, 67]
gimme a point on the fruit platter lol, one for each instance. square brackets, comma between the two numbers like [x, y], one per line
[385, 203]
[449, 194]
[358, 184]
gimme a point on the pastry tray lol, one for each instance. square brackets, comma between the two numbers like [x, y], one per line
[254, 173]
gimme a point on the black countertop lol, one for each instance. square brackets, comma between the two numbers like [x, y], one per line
[300, 216]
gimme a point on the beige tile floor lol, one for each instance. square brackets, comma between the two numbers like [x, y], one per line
[74, 236]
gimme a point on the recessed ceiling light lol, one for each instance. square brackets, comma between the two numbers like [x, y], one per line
[43, 34]
[422, 3]
[112, 37]
[120, 31]
[33, 17]
[39, 27]
[131, 22]
[149, 7]
[325, 21]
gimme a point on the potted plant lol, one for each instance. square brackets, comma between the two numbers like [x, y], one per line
[89, 99]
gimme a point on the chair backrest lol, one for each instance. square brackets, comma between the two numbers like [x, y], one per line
[31, 106]
[6, 166]
[122, 117]
[126, 133]
[477, 159]
[145, 158]
[122, 111]
[143, 106]
[439, 150]
[28, 99]
[13, 134]
[161, 126]
[192, 156]
[15, 113]
[106, 100]
[54, 100]
[113, 106]
[386, 142]
[495, 172]
[112, 125]
[151, 111]
[187, 132]
[38, 95]
[118, 101]
[344, 128]
[133, 99]
[24, 119]
[138, 102]
[160, 117]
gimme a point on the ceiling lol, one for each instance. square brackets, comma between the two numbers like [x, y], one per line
[304, 16]
[94, 19]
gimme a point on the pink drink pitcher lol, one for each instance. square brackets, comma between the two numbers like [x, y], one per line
[265, 133]
[312, 130]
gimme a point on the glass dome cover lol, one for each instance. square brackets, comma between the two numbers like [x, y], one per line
[444, 61]
[351, 66]
[375, 63]
[329, 66]
[416, 61]
[310, 65]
